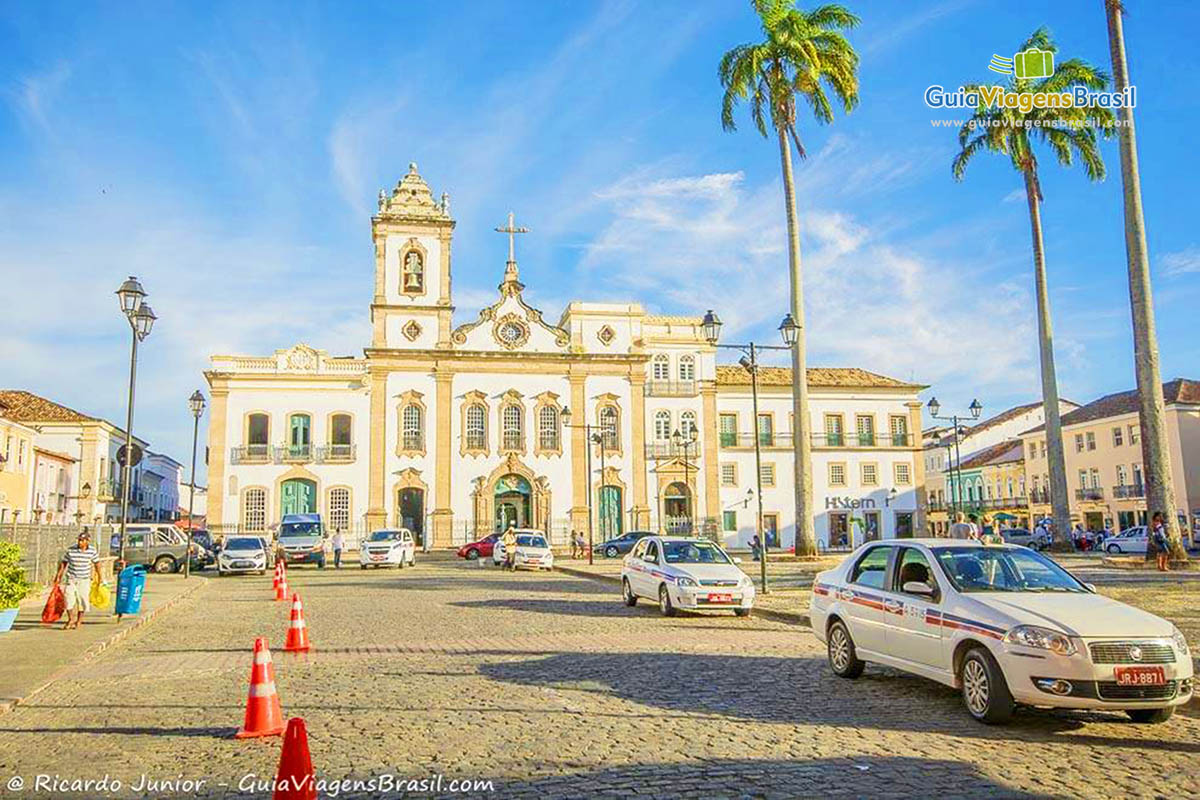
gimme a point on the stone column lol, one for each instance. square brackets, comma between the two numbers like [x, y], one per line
[377, 458]
[443, 514]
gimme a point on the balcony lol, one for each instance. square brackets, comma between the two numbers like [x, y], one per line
[1135, 492]
[250, 454]
[1093, 494]
[665, 448]
[1040, 497]
[336, 454]
[294, 454]
[865, 440]
[668, 388]
[765, 439]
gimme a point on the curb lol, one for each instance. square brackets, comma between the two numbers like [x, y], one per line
[9, 703]
[764, 613]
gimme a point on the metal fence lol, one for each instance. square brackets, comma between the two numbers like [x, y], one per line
[42, 546]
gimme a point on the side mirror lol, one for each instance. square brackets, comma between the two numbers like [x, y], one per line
[1091, 587]
[737, 559]
[919, 588]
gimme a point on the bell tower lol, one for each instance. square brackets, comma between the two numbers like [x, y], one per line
[411, 308]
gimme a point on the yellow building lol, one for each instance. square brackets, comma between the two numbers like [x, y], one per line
[1103, 454]
[16, 467]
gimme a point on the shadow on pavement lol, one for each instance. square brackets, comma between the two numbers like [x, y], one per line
[749, 688]
[576, 608]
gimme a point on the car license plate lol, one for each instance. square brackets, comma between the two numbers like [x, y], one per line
[720, 598]
[1140, 676]
[240, 564]
[376, 557]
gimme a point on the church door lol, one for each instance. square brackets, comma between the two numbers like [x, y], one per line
[298, 496]
[412, 512]
[610, 512]
[512, 502]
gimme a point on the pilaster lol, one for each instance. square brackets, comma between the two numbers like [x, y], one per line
[579, 453]
[918, 469]
[637, 423]
[377, 463]
[443, 514]
[708, 435]
[217, 451]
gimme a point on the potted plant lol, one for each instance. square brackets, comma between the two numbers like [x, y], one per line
[14, 586]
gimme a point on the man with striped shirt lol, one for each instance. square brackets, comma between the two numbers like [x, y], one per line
[80, 563]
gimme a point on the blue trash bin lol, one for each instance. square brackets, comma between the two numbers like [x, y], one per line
[130, 585]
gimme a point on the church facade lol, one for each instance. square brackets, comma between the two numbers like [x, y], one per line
[608, 414]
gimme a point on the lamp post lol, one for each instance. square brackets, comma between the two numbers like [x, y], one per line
[788, 330]
[196, 404]
[141, 319]
[587, 435]
[598, 438]
[685, 441]
[937, 441]
[975, 408]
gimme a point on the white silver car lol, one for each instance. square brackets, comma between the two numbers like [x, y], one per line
[391, 547]
[243, 554]
[679, 572]
[1130, 540]
[532, 550]
[1004, 624]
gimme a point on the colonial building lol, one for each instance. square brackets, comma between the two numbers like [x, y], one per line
[16, 466]
[455, 430]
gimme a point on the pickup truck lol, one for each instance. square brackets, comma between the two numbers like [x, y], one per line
[302, 539]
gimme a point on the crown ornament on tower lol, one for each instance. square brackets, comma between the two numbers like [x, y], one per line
[412, 199]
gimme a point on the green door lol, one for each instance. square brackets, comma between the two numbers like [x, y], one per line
[298, 496]
[610, 512]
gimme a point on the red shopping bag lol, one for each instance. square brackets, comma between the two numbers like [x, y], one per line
[56, 604]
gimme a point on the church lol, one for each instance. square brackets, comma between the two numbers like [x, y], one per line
[608, 415]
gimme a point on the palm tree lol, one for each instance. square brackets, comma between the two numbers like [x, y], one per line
[804, 55]
[1160, 489]
[1068, 133]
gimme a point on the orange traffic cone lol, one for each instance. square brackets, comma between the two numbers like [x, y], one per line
[281, 589]
[297, 635]
[278, 574]
[264, 716]
[294, 779]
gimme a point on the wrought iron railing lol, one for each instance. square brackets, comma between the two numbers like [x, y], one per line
[1134, 492]
[336, 454]
[670, 388]
[290, 453]
[1092, 493]
[830, 439]
[250, 454]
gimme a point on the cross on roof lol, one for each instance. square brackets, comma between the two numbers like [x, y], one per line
[512, 230]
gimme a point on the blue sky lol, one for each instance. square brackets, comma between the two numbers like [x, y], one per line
[229, 155]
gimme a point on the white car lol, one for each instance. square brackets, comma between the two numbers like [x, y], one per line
[532, 550]
[686, 573]
[242, 554]
[391, 547]
[1004, 624]
[1130, 540]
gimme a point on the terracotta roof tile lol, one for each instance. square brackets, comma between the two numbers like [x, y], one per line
[28, 407]
[824, 377]
[1002, 453]
[1180, 390]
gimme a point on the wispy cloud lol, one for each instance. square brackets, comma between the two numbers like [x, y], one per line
[1181, 262]
[34, 95]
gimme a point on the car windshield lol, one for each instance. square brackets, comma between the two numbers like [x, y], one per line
[995, 569]
[694, 553]
[386, 536]
[243, 543]
[531, 541]
[300, 529]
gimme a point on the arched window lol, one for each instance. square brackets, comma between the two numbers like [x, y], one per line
[340, 432]
[254, 510]
[609, 427]
[412, 427]
[512, 428]
[476, 427]
[339, 508]
[661, 368]
[412, 272]
[687, 424]
[687, 368]
[662, 426]
[547, 428]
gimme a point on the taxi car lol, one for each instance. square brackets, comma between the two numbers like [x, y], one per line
[682, 572]
[391, 547]
[243, 554]
[1002, 623]
[532, 550]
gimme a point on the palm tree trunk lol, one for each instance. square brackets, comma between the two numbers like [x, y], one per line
[1160, 488]
[1059, 501]
[806, 540]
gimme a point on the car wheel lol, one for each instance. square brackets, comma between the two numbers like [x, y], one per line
[664, 602]
[362, 566]
[401, 564]
[1150, 716]
[1113, 549]
[984, 689]
[221, 573]
[843, 657]
[472, 554]
[164, 564]
[742, 612]
[611, 552]
[627, 593]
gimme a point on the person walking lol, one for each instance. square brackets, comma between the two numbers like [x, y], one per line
[755, 547]
[80, 563]
[509, 539]
[1158, 532]
[339, 543]
[582, 543]
[574, 543]
[960, 529]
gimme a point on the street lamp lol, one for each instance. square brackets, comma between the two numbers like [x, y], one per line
[975, 409]
[141, 319]
[587, 434]
[788, 331]
[196, 404]
[684, 441]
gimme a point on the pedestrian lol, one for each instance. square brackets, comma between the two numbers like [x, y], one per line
[960, 529]
[1158, 532]
[755, 547]
[574, 543]
[509, 540]
[339, 542]
[582, 543]
[80, 563]
[973, 521]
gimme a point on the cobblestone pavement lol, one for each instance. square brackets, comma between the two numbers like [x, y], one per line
[548, 686]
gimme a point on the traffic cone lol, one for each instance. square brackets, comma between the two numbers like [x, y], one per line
[294, 779]
[278, 574]
[297, 635]
[264, 716]
[281, 588]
